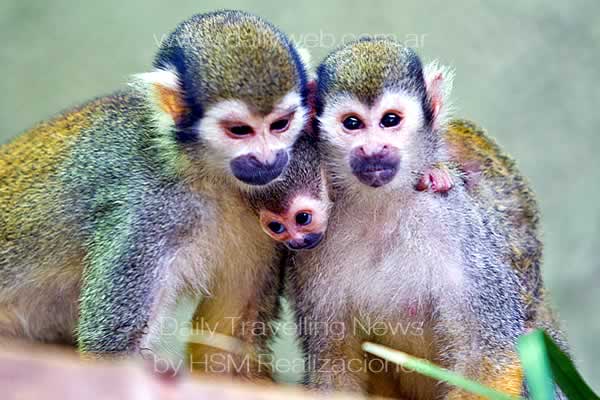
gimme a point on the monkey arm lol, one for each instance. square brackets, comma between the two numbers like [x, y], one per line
[474, 155]
[120, 285]
[232, 328]
[485, 328]
[331, 343]
[335, 363]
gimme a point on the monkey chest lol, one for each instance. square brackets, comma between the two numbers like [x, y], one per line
[404, 261]
[225, 248]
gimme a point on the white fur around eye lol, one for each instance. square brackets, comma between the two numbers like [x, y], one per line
[409, 106]
[262, 144]
[330, 120]
[406, 137]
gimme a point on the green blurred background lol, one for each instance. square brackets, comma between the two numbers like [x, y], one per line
[528, 72]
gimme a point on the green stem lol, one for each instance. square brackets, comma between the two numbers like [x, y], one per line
[425, 367]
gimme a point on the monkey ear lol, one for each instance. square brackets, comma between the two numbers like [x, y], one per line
[305, 56]
[164, 91]
[438, 79]
[306, 59]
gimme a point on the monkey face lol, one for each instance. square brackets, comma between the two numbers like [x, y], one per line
[301, 226]
[229, 89]
[251, 147]
[374, 144]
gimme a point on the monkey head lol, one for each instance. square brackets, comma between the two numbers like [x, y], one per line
[229, 92]
[301, 225]
[295, 210]
[379, 113]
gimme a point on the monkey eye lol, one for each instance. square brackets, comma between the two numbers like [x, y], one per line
[276, 227]
[281, 125]
[303, 218]
[390, 120]
[240, 130]
[352, 123]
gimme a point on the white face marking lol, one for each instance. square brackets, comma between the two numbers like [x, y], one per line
[263, 141]
[230, 128]
[318, 209]
[372, 136]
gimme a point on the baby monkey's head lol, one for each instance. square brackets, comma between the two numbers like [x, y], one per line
[300, 225]
[379, 111]
[294, 211]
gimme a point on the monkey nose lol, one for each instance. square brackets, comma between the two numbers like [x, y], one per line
[309, 241]
[252, 171]
[373, 150]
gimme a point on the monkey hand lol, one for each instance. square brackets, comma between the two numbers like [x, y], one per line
[440, 178]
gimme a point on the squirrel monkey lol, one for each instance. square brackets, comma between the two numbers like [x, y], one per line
[112, 211]
[294, 210]
[453, 278]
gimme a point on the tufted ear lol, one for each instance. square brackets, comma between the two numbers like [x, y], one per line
[305, 57]
[164, 89]
[438, 79]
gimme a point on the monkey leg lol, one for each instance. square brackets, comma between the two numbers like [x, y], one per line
[485, 357]
[10, 326]
[232, 327]
[340, 366]
[334, 357]
[479, 334]
[503, 374]
[222, 346]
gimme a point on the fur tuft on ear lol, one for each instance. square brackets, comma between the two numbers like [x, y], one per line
[305, 56]
[439, 79]
[163, 89]
[163, 77]
[306, 59]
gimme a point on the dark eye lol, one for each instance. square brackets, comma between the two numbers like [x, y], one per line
[280, 125]
[240, 130]
[276, 227]
[303, 218]
[352, 123]
[389, 120]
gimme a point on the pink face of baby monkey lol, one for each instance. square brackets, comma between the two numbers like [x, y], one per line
[301, 226]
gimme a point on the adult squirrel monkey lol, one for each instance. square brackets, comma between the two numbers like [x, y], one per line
[453, 277]
[113, 210]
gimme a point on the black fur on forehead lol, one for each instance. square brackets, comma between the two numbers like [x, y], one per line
[301, 176]
[230, 55]
[367, 68]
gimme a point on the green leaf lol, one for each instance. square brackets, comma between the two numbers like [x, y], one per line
[536, 366]
[542, 360]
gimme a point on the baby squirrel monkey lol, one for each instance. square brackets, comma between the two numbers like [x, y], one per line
[453, 278]
[112, 211]
[294, 210]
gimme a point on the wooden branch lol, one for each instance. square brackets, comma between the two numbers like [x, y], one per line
[37, 373]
